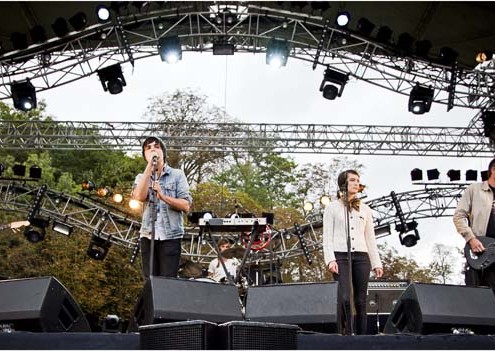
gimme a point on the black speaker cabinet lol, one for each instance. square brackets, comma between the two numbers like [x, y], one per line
[312, 306]
[243, 335]
[40, 305]
[434, 308]
[188, 335]
[173, 300]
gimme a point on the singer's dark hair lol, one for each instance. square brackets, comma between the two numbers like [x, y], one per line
[153, 139]
[490, 166]
[342, 178]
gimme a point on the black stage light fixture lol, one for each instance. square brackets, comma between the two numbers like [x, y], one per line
[223, 49]
[62, 228]
[423, 48]
[432, 174]
[112, 79]
[448, 56]
[384, 35]
[365, 26]
[420, 99]
[454, 175]
[98, 248]
[416, 175]
[277, 52]
[411, 236]
[102, 13]
[23, 95]
[19, 170]
[78, 21]
[330, 91]
[471, 175]
[88, 185]
[484, 175]
[404, 44]
[38, 34]
[342, 19]
[60, 27]
[19, 41]
[36, 231]
[170, 49]
[35, 172]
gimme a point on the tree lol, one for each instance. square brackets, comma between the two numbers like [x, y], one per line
[442, 265]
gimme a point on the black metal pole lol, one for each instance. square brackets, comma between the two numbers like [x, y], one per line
[154, 207]
[345, 192]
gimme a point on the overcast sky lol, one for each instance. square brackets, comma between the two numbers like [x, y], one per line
[256, 93]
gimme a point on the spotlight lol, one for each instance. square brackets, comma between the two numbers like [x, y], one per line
[423, 48]
[170, 49]
[404, 44]
[471, 175]
[19, 170]
[111, 324]
[62, 228]
[112, 79]
[103, 191]
[382, 230]
[364, 26]
[484, 55]
[277, 52]
[78, 21]
[34, 235]
[384, 35]
[19, 41]
[102, 13]
[134, 204]
[448, 56]
[484, 175]
[308, 206]
[416, 174]
[342, 19]
[88, 185]
[454, 175]
[35, 172]
[330, 91]
[420, 99]
[118, 198]
[23, 95]
[407, 238]
[60, 27]
[38, 34]
[98, 248]
[432, 174]
[325, 200]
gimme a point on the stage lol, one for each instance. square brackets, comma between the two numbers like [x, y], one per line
[305, 341]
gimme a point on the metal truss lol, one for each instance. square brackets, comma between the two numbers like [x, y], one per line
[134, 36]
[241, 137]
[122, 229]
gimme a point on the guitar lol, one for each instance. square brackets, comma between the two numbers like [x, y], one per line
[14, 225]
[483, 259]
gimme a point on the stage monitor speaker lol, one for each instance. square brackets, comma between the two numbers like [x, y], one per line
[173, 300]
[312, 306]
[435, 308]
[40, 305]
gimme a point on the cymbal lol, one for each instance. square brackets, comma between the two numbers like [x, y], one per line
[237, 252]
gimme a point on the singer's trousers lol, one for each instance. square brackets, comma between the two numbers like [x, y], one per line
[361, 268]
[166, 258]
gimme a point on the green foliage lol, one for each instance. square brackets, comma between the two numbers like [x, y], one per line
[396, 267]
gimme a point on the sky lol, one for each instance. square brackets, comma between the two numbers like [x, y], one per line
[253, 92]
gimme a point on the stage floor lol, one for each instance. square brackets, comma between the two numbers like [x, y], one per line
[305, 341]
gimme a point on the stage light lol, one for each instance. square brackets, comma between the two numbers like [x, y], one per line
[382, 230]
[170, 49]
[416, 174]
[448, 56]
[38, 34]
[384, 35]
[78, 21]
[60, 27]
[454, 175]
[342, 19]
[407, 238]
[102, 191]
[34, 235]
[484, 175]
[19, 170]
[364, 26]
[404, 44]
[432, 174]
[423, 48]
[330, 91]
[134, 204]
[118, 198]
[62, 228]
[98, 248]
[484, 55]
[88, 185]
[111, 324]
[19, 41]
[112, 79]
[420, 99]
[23, 95]
[223, 49]
[35, 172]
[102, 13]
[325, 200]
[471, 175]
[308, 206]
[277, 52]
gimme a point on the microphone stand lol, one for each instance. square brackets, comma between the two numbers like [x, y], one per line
[345, 193]
[153, 204]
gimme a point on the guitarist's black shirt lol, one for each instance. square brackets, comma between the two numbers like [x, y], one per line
[490, 229]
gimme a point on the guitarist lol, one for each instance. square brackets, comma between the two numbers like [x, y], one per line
[474, 217]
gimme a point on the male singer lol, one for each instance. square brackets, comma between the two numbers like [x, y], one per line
[167, 189]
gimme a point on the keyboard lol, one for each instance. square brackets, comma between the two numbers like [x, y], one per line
[231, 224]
